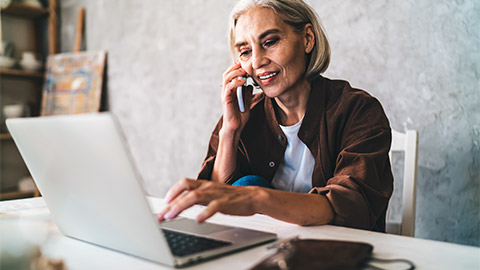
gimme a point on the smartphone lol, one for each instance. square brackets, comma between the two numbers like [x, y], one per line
[248, 81]
[241, 104]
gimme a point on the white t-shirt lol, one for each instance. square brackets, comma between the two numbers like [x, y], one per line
[295, 172]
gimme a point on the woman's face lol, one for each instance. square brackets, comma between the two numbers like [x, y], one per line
[271, 52]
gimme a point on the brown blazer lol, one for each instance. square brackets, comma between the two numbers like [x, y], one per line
[349, 136]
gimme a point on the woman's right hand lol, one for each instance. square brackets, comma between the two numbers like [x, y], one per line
[233, 123]
[233, 119]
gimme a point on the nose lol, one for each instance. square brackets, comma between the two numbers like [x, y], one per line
[259, 58]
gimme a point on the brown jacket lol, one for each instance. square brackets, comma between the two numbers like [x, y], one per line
[349, 136]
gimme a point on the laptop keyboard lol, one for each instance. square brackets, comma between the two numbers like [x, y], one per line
[183, 244]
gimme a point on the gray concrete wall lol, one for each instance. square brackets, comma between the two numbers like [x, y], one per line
[421, 59]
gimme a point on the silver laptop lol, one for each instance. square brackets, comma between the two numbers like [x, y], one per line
[82, 166]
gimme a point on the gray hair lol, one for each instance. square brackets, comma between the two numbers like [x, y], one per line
[297, 14]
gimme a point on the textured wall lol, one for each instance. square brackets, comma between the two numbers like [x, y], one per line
[421, 59]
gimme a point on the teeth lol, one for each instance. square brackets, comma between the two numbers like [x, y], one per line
[267, 76]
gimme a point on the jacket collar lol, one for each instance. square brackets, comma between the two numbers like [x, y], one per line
[316, 105]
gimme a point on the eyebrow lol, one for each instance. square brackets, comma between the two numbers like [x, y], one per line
[262, 36]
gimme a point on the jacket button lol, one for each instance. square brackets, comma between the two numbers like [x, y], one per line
[271, 164]
[280, 138]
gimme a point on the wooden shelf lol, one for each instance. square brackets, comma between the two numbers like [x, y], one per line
[5, 136]
[40, 35]
[21, 73]
[24, 10]
[17, 195]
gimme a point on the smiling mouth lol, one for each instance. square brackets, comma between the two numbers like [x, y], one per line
[268, 76]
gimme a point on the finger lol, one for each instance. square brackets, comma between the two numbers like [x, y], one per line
[184, 202]
[233, 67]
[212, 208]
[235, 74]
[232, 85]
[232, 75]
[161, 216]
[180, 187]
[192, 185]
[230, 93]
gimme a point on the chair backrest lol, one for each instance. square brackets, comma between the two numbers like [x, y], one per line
[407, 143]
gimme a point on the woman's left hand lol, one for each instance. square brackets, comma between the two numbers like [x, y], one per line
[218, 197]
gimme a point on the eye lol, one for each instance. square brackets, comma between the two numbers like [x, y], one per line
[270, 42]
[244, 53]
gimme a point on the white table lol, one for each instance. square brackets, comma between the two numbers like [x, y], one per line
[31, 218]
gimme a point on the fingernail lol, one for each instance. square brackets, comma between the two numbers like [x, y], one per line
[169, 215]
[200, 218]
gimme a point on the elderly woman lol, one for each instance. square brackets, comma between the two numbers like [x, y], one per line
[307, 150]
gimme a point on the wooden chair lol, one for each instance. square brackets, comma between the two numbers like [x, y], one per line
[407, 143]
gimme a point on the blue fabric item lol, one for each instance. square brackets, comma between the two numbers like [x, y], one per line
[252, 180]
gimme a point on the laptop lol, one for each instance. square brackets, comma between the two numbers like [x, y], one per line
[83, 168]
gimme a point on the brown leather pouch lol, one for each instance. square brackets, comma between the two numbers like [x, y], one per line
[317, 254]
[303, 254]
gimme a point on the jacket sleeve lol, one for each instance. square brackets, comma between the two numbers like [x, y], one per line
[362, 181]
[207, 165]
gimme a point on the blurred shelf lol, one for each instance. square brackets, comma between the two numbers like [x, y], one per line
[24, 10]
[38, 32]
[16, 195]
[5, 136]
[21, 73]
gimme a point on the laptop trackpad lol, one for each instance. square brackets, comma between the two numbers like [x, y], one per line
[192, 226]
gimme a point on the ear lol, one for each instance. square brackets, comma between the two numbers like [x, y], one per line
[309, 38]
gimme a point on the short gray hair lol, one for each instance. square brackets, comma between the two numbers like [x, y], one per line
[297, 14]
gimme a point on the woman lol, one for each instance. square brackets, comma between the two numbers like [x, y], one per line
[316, 149]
